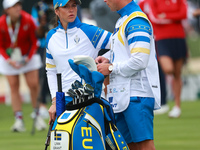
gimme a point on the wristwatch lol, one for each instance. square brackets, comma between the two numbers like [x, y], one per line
[110, 68]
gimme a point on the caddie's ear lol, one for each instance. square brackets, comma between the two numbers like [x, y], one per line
[74, 66]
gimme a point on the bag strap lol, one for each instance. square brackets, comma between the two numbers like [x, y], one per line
[71, 106]
[115, 139]
[108, 112]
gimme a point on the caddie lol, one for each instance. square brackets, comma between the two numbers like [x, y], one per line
[134, 89]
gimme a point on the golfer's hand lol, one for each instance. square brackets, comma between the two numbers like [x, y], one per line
[101, 59]
[52, 111]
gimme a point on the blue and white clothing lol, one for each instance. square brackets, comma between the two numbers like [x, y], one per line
[135, 69]
[78, 39]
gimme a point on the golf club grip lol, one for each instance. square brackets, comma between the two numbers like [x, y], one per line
[59, 82]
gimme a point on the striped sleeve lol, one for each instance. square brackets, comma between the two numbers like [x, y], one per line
[51, 74]
[50, 64]
[99, 38]
[51, 67]
[138, 36]
[104, 40]
[138, 33]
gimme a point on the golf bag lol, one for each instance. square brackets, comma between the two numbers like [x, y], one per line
[89, 123]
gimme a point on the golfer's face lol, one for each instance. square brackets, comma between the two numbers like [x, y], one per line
[68, 12]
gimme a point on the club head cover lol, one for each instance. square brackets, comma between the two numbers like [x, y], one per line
[85, 74]
[94, 78]
[97, 80]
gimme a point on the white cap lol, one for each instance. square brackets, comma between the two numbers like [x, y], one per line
[9, 3]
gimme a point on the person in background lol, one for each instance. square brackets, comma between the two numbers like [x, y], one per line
[192, 23]
[164, 106]
[18, 45]
[134, 88]
[43, 14]
[166, 18]
[103, 16]
[68, 39]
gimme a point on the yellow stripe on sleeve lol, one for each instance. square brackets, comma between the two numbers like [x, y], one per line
[140, 50]
[50, 66]
[122, 28]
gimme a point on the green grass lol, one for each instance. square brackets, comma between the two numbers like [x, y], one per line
[194, 46]
[19, 141]
[182, 133]
[170, 134]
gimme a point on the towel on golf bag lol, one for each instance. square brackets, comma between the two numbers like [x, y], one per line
[90, 124]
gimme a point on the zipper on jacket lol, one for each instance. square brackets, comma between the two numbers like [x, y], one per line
[66, 39]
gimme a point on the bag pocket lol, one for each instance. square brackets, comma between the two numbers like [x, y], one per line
[87, 134]
[60, 140]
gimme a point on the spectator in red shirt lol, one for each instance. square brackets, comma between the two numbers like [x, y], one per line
[166, 17]
[18, 44]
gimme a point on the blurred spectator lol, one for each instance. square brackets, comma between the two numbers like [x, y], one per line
[18, 45]
[85, 3]
[166, 17]
[192, 24]
[164, 106]
[43, 13]
[104, 17]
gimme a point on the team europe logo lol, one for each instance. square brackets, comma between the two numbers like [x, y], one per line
[76, 39]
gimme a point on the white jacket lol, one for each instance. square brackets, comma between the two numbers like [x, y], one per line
[78, 39]
[135, 68]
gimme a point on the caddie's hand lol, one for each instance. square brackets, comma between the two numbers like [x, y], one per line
[52, 111]
[103, 68]
[101, 59]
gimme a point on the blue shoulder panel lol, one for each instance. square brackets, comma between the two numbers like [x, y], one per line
[138, 24]
[93, 33]
[105, 42]
[49, 35]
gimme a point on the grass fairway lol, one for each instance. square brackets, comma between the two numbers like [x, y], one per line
[179, 134]
[170, 134]
[19, 141]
